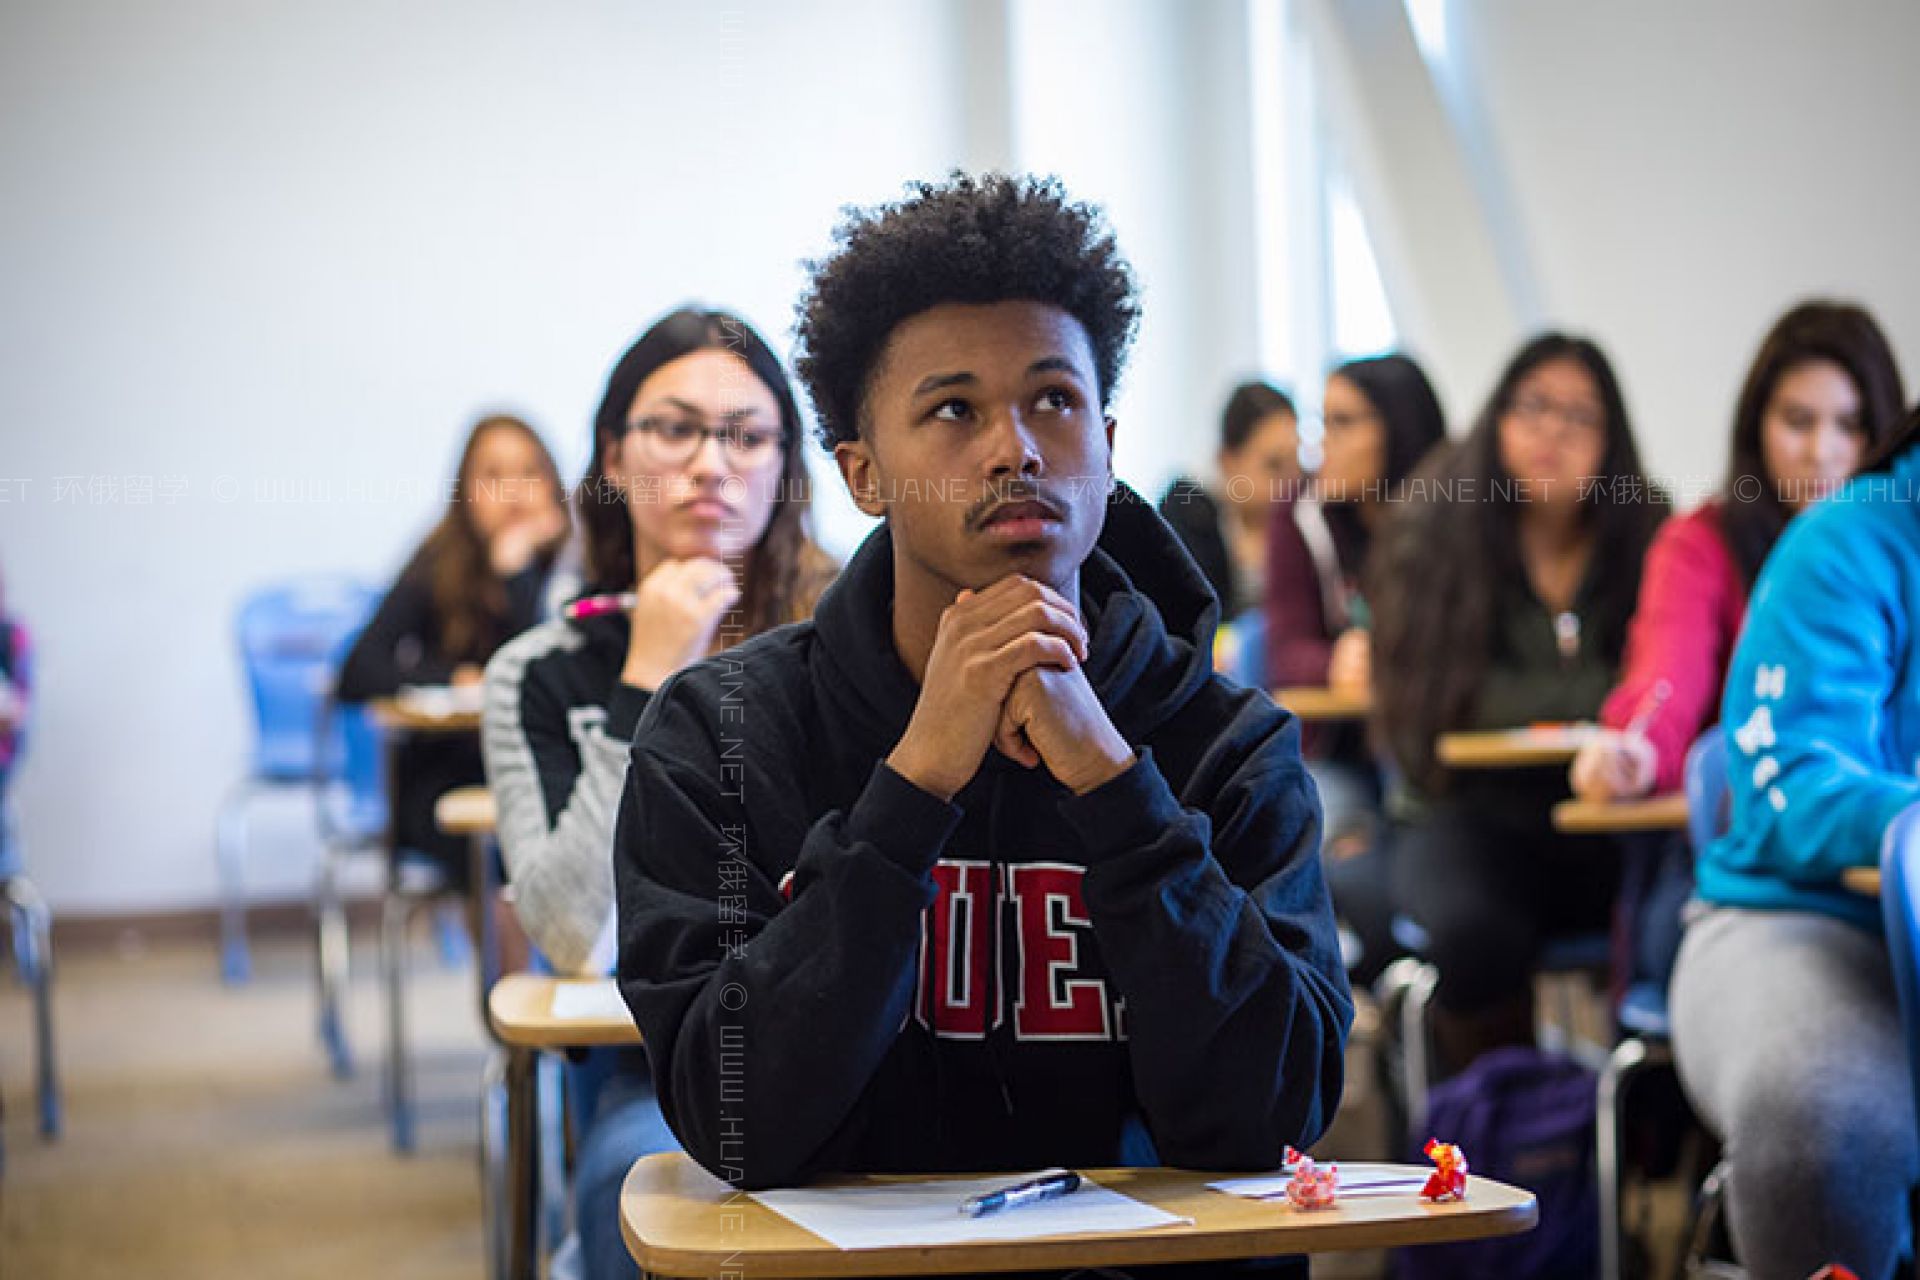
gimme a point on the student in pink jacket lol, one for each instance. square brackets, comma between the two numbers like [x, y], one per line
[1822, 392]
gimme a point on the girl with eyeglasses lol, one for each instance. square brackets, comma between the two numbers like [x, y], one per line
[695, 511]
[1501, 593]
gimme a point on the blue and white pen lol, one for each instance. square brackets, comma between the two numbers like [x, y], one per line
[1047, 1188]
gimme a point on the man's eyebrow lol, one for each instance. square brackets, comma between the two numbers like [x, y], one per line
[1056, 364]
[940, 381]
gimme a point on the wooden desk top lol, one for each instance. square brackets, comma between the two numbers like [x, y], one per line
[466, 811]
[1513, 748]
[1864, 880]
[1313, 704]
[520, 1006]
[1611, 817]
[678, 1220]
[410, 715]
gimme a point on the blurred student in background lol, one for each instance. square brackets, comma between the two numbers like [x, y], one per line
[696, 503]
[1381, 418]
[1500, 599]
[1822, 394]
[476, 582]
[16, 692]
[1786, 1027]
[1225, 528]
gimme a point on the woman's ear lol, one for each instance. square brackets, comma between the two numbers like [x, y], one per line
[862, 476]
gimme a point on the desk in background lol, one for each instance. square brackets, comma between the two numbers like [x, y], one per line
[1621, 817]
[1533, 747]
[1315, 705]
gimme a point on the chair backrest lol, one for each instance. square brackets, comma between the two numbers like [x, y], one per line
[293, 636]
[1708, 807]
[1900, 909]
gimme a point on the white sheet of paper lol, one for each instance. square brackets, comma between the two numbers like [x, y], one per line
[441, 700]
[1357, 1181]
[926, 1213]
[597, 1001]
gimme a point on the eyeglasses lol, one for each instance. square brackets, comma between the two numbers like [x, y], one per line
[671, 442]
[1535, 409]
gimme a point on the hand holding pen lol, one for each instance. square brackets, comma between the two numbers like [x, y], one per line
[1622, 765]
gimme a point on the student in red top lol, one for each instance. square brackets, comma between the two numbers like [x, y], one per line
[1822, 393]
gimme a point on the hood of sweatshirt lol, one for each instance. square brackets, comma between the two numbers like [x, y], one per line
[1149, 627]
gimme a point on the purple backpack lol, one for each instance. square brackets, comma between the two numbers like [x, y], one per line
[1524, 1118]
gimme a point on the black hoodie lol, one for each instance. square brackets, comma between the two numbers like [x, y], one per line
[838, 972]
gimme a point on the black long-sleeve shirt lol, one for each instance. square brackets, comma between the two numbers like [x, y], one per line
[405, 644]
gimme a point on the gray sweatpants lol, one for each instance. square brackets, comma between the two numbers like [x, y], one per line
[1787, 1034]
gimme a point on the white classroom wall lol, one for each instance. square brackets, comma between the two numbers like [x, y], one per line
[290, 252]
[296, 249]
[1680, 175]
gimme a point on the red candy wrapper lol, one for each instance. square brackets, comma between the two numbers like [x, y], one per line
[1449, 1178]
[1312, 1186]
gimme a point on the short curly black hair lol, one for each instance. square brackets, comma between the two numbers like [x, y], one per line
[992, 238]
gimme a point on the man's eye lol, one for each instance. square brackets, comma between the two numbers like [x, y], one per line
[953, 411]
[1056, 400]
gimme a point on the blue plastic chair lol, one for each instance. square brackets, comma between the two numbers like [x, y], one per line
[1900, 909]
[291, 636]
[1646, 1029]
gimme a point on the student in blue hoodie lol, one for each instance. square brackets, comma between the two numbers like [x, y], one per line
[1785, 1022]
[983, 868]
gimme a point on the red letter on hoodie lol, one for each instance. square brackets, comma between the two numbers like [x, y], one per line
[1055, 1005]
[953, 980]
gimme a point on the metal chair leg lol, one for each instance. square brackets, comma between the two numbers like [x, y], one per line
[230, 850]
[396, 912]
[493, 1163]
[1416, 1044]
[1629, 1058]
[33, 923]
[1707, 1208]
[331, 944]
[523, 1165]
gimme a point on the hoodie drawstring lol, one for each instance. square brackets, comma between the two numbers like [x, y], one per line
[996, 1046]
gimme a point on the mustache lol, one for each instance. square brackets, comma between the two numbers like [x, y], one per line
[1000, 496]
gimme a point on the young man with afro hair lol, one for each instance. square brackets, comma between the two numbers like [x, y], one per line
[983, 868]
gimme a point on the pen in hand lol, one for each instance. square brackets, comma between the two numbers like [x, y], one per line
[1046, 1188]
[1650, 706]
[599, 606]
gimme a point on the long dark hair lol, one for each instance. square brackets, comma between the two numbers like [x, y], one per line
[468, 596]
[785, 570]
[1413, 422]
[1249, 403]
[1895, 447]
[1410, 413]
[1438, 573]
[1839, 332]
